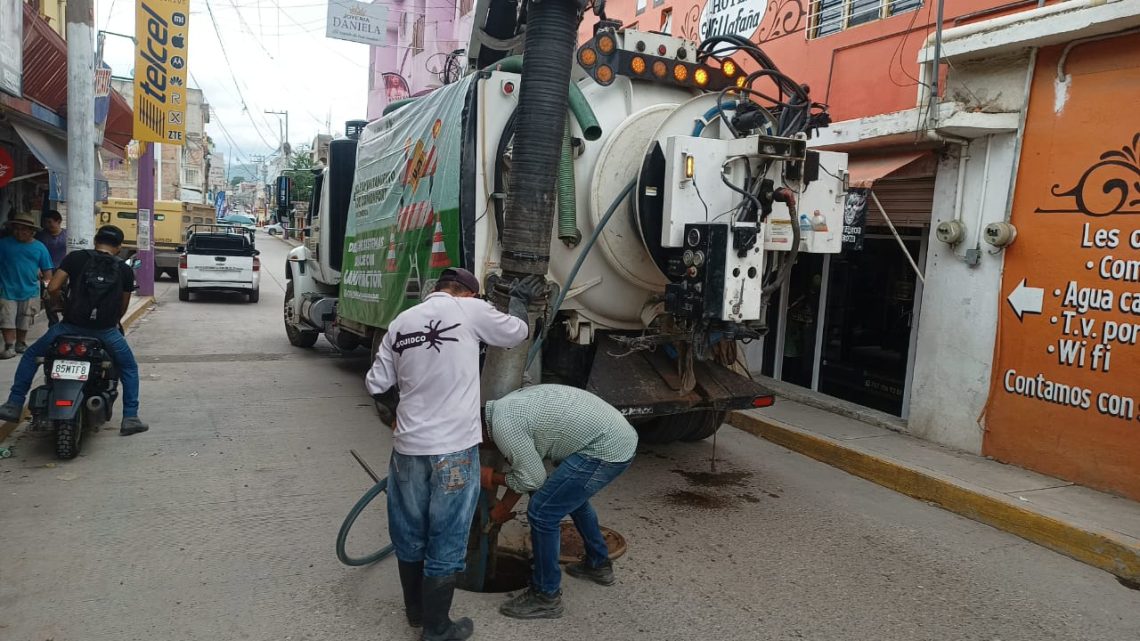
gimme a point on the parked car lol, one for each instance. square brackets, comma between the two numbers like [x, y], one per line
[238, 219]
[216, 258]
[276, 229]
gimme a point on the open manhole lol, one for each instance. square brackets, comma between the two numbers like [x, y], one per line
[511, 568]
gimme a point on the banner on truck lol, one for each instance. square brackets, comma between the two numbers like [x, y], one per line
[161, 30]
[403, 225]
[357, 22]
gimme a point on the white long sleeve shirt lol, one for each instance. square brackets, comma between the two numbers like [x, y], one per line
[431, 352]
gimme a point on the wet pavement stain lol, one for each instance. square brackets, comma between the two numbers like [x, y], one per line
[698, 500]
[715, 479]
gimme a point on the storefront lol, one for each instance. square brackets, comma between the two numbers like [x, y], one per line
[845, 324]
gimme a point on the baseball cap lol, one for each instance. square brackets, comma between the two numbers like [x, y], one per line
[460, 276]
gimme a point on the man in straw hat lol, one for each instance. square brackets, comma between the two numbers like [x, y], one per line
[24, 264]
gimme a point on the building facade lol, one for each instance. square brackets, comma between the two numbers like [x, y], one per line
[422, 36]
[33, 107]
[986, 347]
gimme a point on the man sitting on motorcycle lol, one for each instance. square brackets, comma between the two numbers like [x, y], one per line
[98, 291]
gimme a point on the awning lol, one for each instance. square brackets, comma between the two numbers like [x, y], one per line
[51, 151]
[864, 171]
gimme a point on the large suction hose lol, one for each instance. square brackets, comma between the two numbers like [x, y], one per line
[551, 33]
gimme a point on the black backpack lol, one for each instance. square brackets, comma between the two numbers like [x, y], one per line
[96, 295]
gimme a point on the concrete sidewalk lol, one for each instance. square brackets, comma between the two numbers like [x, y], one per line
[1099, 529]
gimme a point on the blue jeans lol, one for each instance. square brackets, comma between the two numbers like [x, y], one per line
[431, 501]
[113, 341]
[567, 491]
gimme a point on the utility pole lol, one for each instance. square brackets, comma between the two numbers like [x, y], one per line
[80, 124]
[285, 148]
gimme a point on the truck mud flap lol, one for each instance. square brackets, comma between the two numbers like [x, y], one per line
[645, 383]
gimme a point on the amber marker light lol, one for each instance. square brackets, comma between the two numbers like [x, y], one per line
[701, 76]
[680, 73]
[606, 44]
[637, 65]
[740, 81]
[660, 69]
[729, 68]
[604, 74]
[587, 57]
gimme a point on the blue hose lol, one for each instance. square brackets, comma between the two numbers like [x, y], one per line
[342, 536]
[578, 265]
[704, 121]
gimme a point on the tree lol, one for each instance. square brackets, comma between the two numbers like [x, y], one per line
[235, 181]
[301, 171]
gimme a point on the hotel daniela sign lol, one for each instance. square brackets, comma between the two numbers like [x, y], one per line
[161, 31]
[357, 22]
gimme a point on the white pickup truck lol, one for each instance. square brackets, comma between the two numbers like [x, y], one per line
[219, 258]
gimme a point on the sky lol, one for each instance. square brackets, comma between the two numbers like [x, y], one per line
[261, 55]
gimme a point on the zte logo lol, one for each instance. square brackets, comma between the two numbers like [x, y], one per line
[155, 87]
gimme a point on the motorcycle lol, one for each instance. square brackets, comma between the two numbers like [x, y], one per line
[80, 387]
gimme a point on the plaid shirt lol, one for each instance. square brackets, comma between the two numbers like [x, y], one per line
[554, 422]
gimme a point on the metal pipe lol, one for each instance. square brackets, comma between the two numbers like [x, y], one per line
[935, 90]
[909, 258]
[367, 468]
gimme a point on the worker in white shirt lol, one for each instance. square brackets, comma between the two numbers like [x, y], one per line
[429, 361]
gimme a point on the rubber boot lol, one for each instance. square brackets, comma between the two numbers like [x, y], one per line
[412, 580]
[438, 626]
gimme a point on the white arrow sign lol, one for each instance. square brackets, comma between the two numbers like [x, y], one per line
[1026, 300]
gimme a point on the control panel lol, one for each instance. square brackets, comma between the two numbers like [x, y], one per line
[720, 280]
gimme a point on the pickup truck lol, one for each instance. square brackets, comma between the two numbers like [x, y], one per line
[219, 258]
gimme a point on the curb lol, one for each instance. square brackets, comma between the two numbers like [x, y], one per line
[139, 307]
[1113, 552]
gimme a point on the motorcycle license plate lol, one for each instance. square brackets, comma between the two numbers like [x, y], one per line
[70, 370]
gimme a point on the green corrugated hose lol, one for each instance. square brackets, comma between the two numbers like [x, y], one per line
[567, 204]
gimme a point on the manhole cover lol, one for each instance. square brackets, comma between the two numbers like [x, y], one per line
[572, 549]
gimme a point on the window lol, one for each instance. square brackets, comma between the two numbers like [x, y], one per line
[833, 16]
[667, 21]
[641, 5]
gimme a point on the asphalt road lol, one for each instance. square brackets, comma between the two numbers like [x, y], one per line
[219, 524]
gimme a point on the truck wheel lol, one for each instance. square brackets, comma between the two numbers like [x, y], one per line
[183, 294]
[297, 337]
[67, 436]
[690, 426]
[255, 295]
[705, 424]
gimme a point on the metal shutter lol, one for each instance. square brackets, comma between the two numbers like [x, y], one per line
[907, 201]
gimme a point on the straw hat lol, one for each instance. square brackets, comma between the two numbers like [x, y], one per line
[24, 218]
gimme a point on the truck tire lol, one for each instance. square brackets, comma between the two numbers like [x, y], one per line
[687, 427]
[255, 295]
[183, 294]
[297, 337]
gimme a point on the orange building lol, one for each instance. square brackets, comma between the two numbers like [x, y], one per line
[989, 305]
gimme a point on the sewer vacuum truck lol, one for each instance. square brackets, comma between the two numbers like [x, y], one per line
[664, 189]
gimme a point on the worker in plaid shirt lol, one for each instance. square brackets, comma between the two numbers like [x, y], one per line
[593, 444]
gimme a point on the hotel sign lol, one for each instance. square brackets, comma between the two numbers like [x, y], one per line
[161, 31]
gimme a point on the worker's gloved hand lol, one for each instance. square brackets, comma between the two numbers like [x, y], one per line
[487, 478]
[386, 403]
[501, 513]
[523, 292]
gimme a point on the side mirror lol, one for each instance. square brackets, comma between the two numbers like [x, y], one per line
[181, 249]
[257, 252]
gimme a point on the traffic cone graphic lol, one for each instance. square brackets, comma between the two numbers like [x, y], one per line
[392, 253]
[438, 249]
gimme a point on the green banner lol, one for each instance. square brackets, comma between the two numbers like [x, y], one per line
[403, 222]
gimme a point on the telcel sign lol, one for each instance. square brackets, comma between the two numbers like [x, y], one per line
[161, 31]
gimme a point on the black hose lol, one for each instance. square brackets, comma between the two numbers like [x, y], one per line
[551, 33]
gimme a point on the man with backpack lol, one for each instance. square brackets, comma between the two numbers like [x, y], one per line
[98, 291]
